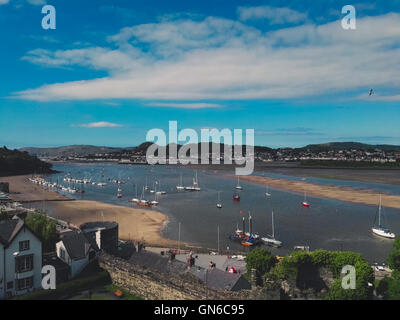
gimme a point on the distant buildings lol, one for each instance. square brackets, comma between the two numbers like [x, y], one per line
[20, 259]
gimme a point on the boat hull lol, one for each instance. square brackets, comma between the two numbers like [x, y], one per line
[383, 233]
[271, 242]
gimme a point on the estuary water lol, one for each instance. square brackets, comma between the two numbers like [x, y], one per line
[327, 224]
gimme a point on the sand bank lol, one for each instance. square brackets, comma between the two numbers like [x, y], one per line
[370, 197]
[22, 190]
[134, 224]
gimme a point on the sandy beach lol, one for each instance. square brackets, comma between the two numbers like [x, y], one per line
[134, 224]
[369, 197]
[22, 190]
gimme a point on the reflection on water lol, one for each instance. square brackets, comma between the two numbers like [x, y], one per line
[327, 224]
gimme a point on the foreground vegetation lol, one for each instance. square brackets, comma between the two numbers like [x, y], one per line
[70, 288]
[389, 288]
[303, 270]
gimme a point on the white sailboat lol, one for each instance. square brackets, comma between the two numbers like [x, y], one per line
[159, 188]
[195, 186]
[270, 240]
[219, 204]
[305, 203]
[380, 230]
[119, 192]
[238, 186]
[136, 198]
[267, 194]
[154, 202]
[180, 185]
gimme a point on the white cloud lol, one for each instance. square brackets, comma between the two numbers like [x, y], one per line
[220, 59]
[34, 2]
[102, 124]
[37, 2]
[271, 14]
[186, 105]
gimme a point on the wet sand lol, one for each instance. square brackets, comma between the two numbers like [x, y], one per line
[23, 190]
[369, 197]
[134, 224]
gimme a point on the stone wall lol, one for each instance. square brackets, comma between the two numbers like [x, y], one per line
[153, 285]
[4, 187]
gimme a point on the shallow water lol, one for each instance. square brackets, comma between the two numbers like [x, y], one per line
[327, 224]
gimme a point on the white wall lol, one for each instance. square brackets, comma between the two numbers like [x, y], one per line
[35, 248]
[75, 265]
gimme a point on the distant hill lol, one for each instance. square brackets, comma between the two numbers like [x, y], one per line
[85, 150]
[335, 146]
[15, 162]
[80, 150]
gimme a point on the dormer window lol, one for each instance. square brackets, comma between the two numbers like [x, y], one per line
[24, 245]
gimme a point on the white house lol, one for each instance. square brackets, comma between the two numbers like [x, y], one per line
[76, 251]
[20, 259]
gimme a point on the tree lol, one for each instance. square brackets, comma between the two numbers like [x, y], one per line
[393, 259]
[261, 260]
[44, 227]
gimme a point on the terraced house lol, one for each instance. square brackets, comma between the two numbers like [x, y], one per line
[20, 259]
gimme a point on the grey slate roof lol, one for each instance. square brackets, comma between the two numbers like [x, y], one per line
[220, 280]
[158, 262]
[76, 245]
[9, 229]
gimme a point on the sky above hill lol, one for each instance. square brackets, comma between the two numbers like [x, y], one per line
[112, 70]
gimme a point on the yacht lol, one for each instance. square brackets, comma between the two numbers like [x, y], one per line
[381, 230]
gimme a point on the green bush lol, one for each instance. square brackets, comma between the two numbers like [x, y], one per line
[44, 227]
[261, 260]
[69, 288]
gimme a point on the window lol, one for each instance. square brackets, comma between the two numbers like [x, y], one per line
[25, 283]
[10, 285]
[24, 245]
[24, 263]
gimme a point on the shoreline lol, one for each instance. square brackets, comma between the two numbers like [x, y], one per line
[22, 190]
[134, 223]
[368, 197]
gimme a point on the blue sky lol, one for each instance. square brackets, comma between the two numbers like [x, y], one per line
[112, 70]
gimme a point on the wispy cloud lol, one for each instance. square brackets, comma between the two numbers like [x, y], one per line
[221, 59]
[299, 131]
[37, 2]
[102, 124]
[271, 15]
[33, 2]
[186, 105]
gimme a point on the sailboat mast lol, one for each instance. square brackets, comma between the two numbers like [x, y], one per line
[380, 208]
[273, 228]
